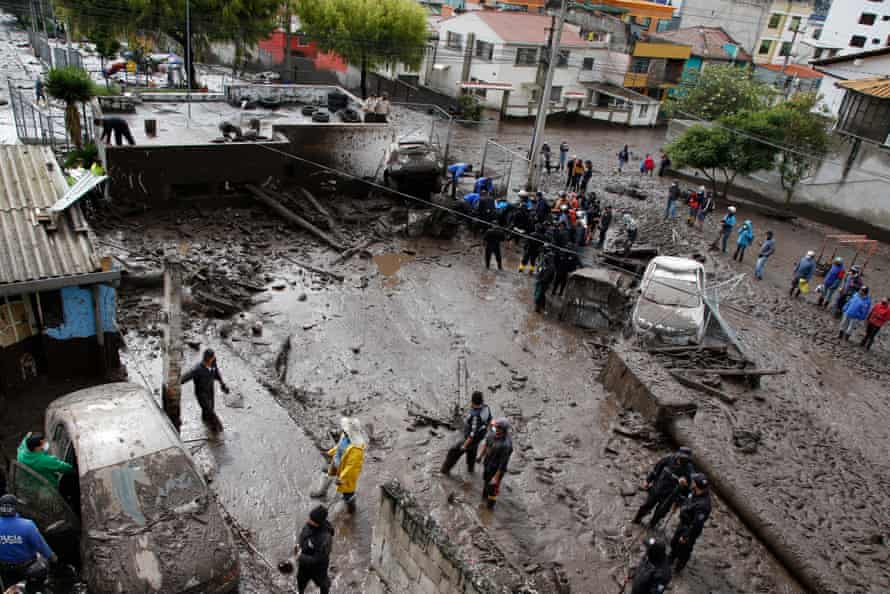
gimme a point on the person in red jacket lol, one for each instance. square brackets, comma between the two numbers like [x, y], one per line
[649, 164]
[879, 315]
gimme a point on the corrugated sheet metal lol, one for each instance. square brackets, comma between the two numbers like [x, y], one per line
[31, 179]
[876, 87]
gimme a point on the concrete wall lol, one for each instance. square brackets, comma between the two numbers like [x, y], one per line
[832, 95]
[411, 555]
[356, 148]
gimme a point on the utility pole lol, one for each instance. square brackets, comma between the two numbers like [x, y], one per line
[188, 61]
[544, 103]
[786, 86]
[171, 390]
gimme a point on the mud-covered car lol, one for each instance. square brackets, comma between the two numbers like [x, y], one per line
[143, 518]
[671, 307]
[415, 164]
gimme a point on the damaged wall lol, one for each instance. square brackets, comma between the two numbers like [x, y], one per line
[411, 554]
[358, 149]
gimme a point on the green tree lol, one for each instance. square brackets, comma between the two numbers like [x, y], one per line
[367, 33]
[717, 92]
[73, 86]
[247, 21]
[723, 150]
[803, 134]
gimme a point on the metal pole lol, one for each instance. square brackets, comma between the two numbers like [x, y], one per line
[786, 91]
[447, 146]
[484, 155]
[188, 62]
[544, 104]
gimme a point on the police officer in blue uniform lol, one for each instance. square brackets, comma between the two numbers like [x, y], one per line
[23, 552]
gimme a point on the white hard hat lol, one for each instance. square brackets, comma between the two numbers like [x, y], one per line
[732, 209]
[701, 188]
[810, 254]
[352, 427]
[523, 194]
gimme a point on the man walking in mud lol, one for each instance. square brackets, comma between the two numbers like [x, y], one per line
[495, 456]
[475, 427]
[493, 239]
[205, 374]
[314, 551]
[653, 574]
[693, 515]
[666, 484]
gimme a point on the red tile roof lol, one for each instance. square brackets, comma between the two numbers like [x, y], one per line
[706, 42]
[794, 70]
[522, 27]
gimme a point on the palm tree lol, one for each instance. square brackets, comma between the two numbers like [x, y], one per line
[71, 85]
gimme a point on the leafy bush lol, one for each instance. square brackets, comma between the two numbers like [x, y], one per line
[470, 108]
[88, 155]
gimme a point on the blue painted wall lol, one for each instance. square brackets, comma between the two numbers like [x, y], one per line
[78, 312]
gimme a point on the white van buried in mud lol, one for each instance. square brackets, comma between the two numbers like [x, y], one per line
[671, 307]
[140, 513]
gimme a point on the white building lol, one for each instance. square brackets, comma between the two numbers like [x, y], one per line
[496, 56]
[851, 26]
[847, 67]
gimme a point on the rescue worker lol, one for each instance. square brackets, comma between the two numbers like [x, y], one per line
[855, 312]
[520, 217]
[879, 315]
[726, 226]
[381, 109]
[566, 263]
[471, 201]
[483, 183]
[563, 153]
[630, 230]
[670, 212]
[605, 223]
[347, 458]
[454, 174]
[803, 271]
[693, 515]
[767, 249]
[542, 209]
[623, 158]
[493, 238]
[531, 249]
[495, 456]
[693, 208]
[586, 177]
[832, 281]
[475, 427]
[314, 551]
[546, 154]
[746, 238]
[852, 283]
[653, 574]
[34, 453]
[119, 126]
[546, 274]
[664, 164]
[370, 109]
[665, 484]
[39, 92]
[24, 554]
[205, 374]
[648, 165]
[705, 205]
[487, 207]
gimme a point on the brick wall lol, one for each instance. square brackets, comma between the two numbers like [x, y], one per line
[410, 553]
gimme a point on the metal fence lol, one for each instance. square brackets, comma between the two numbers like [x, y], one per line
[35, 124]
[54, 56]
[508, 168]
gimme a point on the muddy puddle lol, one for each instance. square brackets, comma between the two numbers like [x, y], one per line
[389, 265]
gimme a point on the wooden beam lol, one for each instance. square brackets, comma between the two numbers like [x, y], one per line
[293, 217]
[171, 390]
[690, 383]
[737, 372]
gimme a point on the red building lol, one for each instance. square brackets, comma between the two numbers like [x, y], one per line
[274, 46]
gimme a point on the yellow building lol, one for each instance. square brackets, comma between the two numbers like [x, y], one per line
[656, 67]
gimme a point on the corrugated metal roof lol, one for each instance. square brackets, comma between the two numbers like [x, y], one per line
[30, 250]
[876, 87]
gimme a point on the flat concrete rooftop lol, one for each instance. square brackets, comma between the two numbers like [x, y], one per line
[176, 127]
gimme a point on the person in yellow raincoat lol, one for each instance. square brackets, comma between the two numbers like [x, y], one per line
[347, 458]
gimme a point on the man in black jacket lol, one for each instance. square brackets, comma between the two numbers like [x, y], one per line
[496, 453]
[475, 428]
[666, 484]
[693, 515]
[493, 239]
[314, 550]
[204, 374]
[653, 574]
[605, 222]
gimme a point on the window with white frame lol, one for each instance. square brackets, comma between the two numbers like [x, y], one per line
[527, 56]
[454, 40]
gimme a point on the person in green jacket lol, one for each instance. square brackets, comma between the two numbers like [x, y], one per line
[33, 453]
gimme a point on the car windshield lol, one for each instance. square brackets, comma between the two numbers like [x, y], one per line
[673, 290]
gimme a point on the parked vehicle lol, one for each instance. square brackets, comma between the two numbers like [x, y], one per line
[671, 307]
[141, 515]
[413, 164]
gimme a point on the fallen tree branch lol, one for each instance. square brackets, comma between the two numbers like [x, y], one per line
[332, 222]
[310, 268]
[738, 372]
[691, 383]
[354, 250]
[293, 217]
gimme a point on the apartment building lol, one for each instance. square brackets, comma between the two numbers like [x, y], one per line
[783, 32]
[850, 27]
[648, 15]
